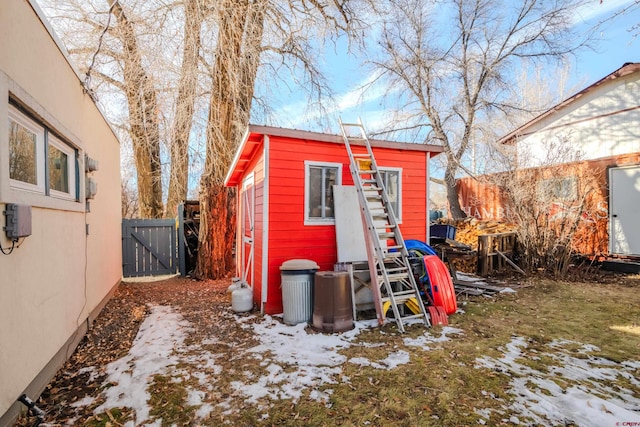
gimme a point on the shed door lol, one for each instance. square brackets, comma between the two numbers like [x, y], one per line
[248, 203]
[624, 210]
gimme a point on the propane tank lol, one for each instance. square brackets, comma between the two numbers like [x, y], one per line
[236, 283]
[242, 299]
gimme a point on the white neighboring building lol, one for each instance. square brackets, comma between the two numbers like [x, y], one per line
[601, 124]
[55, 280]
[601, 121]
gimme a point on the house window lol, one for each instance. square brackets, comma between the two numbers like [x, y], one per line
[39, 161]
[319, 181]
[559, 189]
[392, 180]
[61, 165]
[26, 152]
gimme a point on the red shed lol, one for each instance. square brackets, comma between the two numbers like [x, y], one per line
[284, 179]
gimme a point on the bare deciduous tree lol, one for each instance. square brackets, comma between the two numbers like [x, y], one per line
[241, 34]
[194, 15]
[243, 28]
[551, 205]
[452, 63]
[140, 91]
[126, 49]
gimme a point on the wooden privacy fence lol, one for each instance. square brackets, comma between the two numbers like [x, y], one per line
[149, 247]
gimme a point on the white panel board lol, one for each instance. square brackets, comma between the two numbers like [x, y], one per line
[349, 230]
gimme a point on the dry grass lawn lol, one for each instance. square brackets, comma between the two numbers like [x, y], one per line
[445, 385]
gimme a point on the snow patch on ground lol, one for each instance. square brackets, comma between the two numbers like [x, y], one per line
[296, 360]
[584, 399]
[151, 353]
[578, 388]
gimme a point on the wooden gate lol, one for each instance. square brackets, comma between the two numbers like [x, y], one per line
[149, 247]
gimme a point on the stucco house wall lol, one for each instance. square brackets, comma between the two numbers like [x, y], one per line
[602, 120]
[55, 281]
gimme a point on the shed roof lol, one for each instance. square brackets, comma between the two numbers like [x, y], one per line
[625, 70]
[254, 135]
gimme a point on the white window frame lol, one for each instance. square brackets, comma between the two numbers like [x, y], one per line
[25, 121]
[399, 171]
[71, 169]
[307, 166]
[552, 188]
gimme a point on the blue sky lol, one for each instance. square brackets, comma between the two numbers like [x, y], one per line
[615, 44]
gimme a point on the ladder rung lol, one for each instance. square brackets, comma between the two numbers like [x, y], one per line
[396, 269]
[412, 316]
[373, 196]
[400, 297]
[367, 172]
[404, 297]
[361, 156]
[380, 214]
[395, 277]
[385, 226]
[386, 235]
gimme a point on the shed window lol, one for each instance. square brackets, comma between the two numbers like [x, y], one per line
[392, 180]
[319, 181]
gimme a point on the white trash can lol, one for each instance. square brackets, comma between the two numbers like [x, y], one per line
[297, 290]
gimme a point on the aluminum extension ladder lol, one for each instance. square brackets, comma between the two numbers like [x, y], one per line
[392, 281]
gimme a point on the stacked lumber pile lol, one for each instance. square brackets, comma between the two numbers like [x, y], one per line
[468, 229]
[467, 232]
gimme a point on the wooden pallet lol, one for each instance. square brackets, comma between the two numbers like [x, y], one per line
[495, 252]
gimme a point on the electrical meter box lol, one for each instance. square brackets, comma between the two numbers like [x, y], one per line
[18, 221]
[91, 187]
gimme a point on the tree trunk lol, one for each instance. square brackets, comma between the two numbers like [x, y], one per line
[144, 130]
[217, 232]
[217, 204]
[251, 50]
[184, 106]
[452, 194]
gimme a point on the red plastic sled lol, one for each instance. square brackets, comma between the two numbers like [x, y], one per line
[441, 284]
[437, 315]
